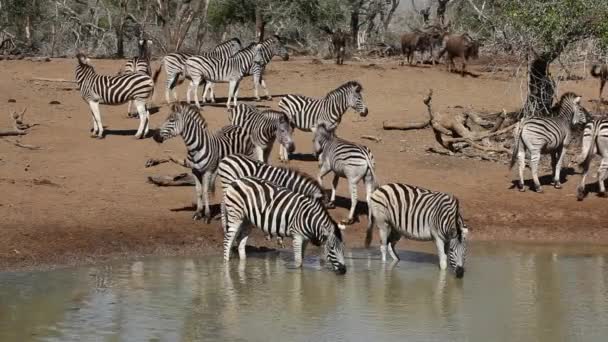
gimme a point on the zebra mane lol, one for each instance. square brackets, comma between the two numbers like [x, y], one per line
[305, 176]
[189, 110]
[345, 87]
[83, 59]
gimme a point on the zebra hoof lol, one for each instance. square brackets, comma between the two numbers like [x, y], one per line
[269, 98]
[330, 205]
[557, 185]
[539, 190]
[522, 189]
[198, 216]
[580, 194]
[347, 221]
[602, 194]
[101, 136]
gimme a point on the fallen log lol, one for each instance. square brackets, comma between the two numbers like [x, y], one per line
[44, 79]
[404, 127]
[371, 137]
[183, 179]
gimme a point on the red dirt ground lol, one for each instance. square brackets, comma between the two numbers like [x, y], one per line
[80, 199]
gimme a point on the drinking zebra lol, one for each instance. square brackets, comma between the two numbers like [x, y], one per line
[595, 141]
[305, 113]
[547, 135]
[345, 159]
[269, 48]
[264, 128]
[281, 212]
[205, 149]
[140, 64]
[175, 63]
[419, 214]
[98, 89]
[237, 166]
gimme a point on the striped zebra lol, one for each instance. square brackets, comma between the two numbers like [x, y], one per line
[305, 113]
[419, 214]
[175, 63]
[231, 70]
[98, 89]
[345, 159]
[237, 166]
[205, 149]
[264, 128]
[547, 135]
[140, 64]
[281, 212]
[269, 48]
[595, 141]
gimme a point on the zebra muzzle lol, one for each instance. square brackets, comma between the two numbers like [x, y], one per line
[459, 272]
[157, 137]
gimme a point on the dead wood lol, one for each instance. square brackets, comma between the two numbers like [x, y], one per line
[10, 133]
[153, 162]
[414, 125]
[371, 137]
[19, 127]
[44, 79]
[182, 179]
[480, 137]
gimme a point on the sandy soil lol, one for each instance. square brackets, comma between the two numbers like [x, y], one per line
[80, 199]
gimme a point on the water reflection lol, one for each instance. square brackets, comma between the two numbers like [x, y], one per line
[510, 293]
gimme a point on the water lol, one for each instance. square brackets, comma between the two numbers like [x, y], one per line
[509, 293]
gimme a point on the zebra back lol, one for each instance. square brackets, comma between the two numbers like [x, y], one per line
[237, 166]
[222, 69]
[593, 131]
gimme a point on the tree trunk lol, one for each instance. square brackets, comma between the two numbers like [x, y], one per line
[541, 87]
[260, 24]
[120, 42]
[354, 22]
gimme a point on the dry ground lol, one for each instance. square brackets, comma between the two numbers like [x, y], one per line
[80, 199]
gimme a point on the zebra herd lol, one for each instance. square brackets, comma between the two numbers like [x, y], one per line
[284, 202]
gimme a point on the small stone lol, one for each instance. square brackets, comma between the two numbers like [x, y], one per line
[12, 101]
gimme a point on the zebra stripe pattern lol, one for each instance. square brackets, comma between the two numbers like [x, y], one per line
[98, 89]
[205, 149]
[175, 63]
[231, 70]
[345, 159]
[281, 212]
[547, 135]
[419, 214]
[306, 113]
[595, 141]
[264, 128]
[268, 48]
[140, 63]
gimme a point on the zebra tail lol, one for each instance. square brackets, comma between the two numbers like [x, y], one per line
[589, 154]
[516, 145]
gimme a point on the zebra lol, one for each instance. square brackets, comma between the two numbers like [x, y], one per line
[205, 149]
[345, 159]
[547, 135]
[231, 70]
[269, 48]
[98, 89]
[305, 113]
[595, 141]
[140, 64]
[264, 128]
[282, 212]
[419, 214]
[237, 166]
[174, 63]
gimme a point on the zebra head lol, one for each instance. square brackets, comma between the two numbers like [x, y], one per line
[323, 134]
[355, 98]
[570, 105]
[457, 248]
[334, 249]
[176, 121]
[279, 49]
[285, 134]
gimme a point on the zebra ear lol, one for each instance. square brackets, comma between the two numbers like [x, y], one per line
[149, 42]
[577, 99]
[341, 226]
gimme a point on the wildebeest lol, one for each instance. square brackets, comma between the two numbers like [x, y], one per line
[412, 42]
[459, 45]
[600, 71]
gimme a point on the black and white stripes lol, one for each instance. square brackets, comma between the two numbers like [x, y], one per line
[595, 141]
[205, 149]
[547, 135]
[264, 128]
[419, 214]
[98, 89]
[279, 212]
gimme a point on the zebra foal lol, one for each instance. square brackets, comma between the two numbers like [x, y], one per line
[98, 89]
[281, 212]
[595, 141]
[264, 128]
[401, 210]
[345, 159]
[547, 135]
[174, 63]
[306, 113]
[205, 149]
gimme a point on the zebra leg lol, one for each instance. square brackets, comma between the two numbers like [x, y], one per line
[256, 82]
[580, 189]
[168, 90]
[369, 189]
[232, 230]
[208, 90]
[443, 259]
[534, 159]
[194, 84]
[199, 180]
[393, 238]
[143, 119]
[97, 117]
[299, 245]
[212, 92]
[601, 176]
[241, 239]
[325, 170]
[236, 92]
[353, 198]
[521, 163]
[95, 128]
[266, 91]
[231, 90]
[383, 231]
[558, 168]
[260, 153]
